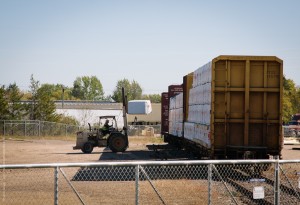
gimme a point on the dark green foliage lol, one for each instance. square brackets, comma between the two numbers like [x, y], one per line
[59, 91]
[88, 88]
[117, 93]
[132, 89]
[45, 107]
[3, 104]
[154, 98]
[291, 99]
[16, 110]
[42, 106]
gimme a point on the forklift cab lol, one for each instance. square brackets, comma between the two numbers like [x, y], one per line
[110, 126]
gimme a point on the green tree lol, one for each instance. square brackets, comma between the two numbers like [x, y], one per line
[291, 99]
[63, 92]
[117, 93]
[154, 98]
[42, 106]
[3, 104]
[132, 89]
[45, 107]
[135, 90]
[287, 109]
[77, 90]
[88, 88]
[16, 110]
[59, 91]
[34, 86]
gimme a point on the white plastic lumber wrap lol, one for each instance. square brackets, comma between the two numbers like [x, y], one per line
[198, 126]
[141, 107]
[176, 115]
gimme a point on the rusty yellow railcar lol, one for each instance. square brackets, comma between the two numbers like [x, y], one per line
[232, 108]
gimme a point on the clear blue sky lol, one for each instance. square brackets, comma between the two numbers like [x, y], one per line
[154, 42]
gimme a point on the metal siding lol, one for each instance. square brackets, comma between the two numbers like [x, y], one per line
[247, 97]
[187, 85]
[164, 113]
[174, 90]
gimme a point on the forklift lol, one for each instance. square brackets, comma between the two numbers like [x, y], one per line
[114, 138]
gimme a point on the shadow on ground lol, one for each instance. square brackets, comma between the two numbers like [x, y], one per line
[127, 173]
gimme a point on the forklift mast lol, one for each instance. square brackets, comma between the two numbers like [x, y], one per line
[124, 99]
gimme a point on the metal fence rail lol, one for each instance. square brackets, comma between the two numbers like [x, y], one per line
[43, 128]
[153, 182]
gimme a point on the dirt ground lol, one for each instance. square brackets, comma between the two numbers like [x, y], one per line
[57, 151]
[31, 151]
[35, 186]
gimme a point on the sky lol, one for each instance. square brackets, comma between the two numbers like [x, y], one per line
[155, 42]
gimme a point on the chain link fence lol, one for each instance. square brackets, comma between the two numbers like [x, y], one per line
[153, 182]
[36, 128]
[43, 128]
[144, 130]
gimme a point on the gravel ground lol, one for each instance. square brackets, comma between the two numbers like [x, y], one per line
[54, 151]
[35, 186]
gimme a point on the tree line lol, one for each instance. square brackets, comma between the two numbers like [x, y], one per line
[42, 97]
[291, 99]
[38, 102]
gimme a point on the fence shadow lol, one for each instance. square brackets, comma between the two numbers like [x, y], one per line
[164, 154]
[127, 173]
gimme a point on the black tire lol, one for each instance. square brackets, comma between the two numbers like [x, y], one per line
[118, 142]
[87, 148]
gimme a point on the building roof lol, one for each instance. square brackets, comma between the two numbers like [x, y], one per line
[91, 105]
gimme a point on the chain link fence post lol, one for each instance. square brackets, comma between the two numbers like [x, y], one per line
[137, 178]
[56, 186]
[209, 176]
[276, 182]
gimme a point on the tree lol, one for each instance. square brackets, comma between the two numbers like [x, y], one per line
[291, 98]
[34, 86]
[154, 98]
[16, 110]
[45, 107]
[132, 89]
[3, 104]
[88, 88]
[59, 91]
[42, 106]
[117, 93]
[287, 107]
[135, 90]
[77, 90]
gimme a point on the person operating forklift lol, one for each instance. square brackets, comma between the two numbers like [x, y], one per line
[105, 128]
